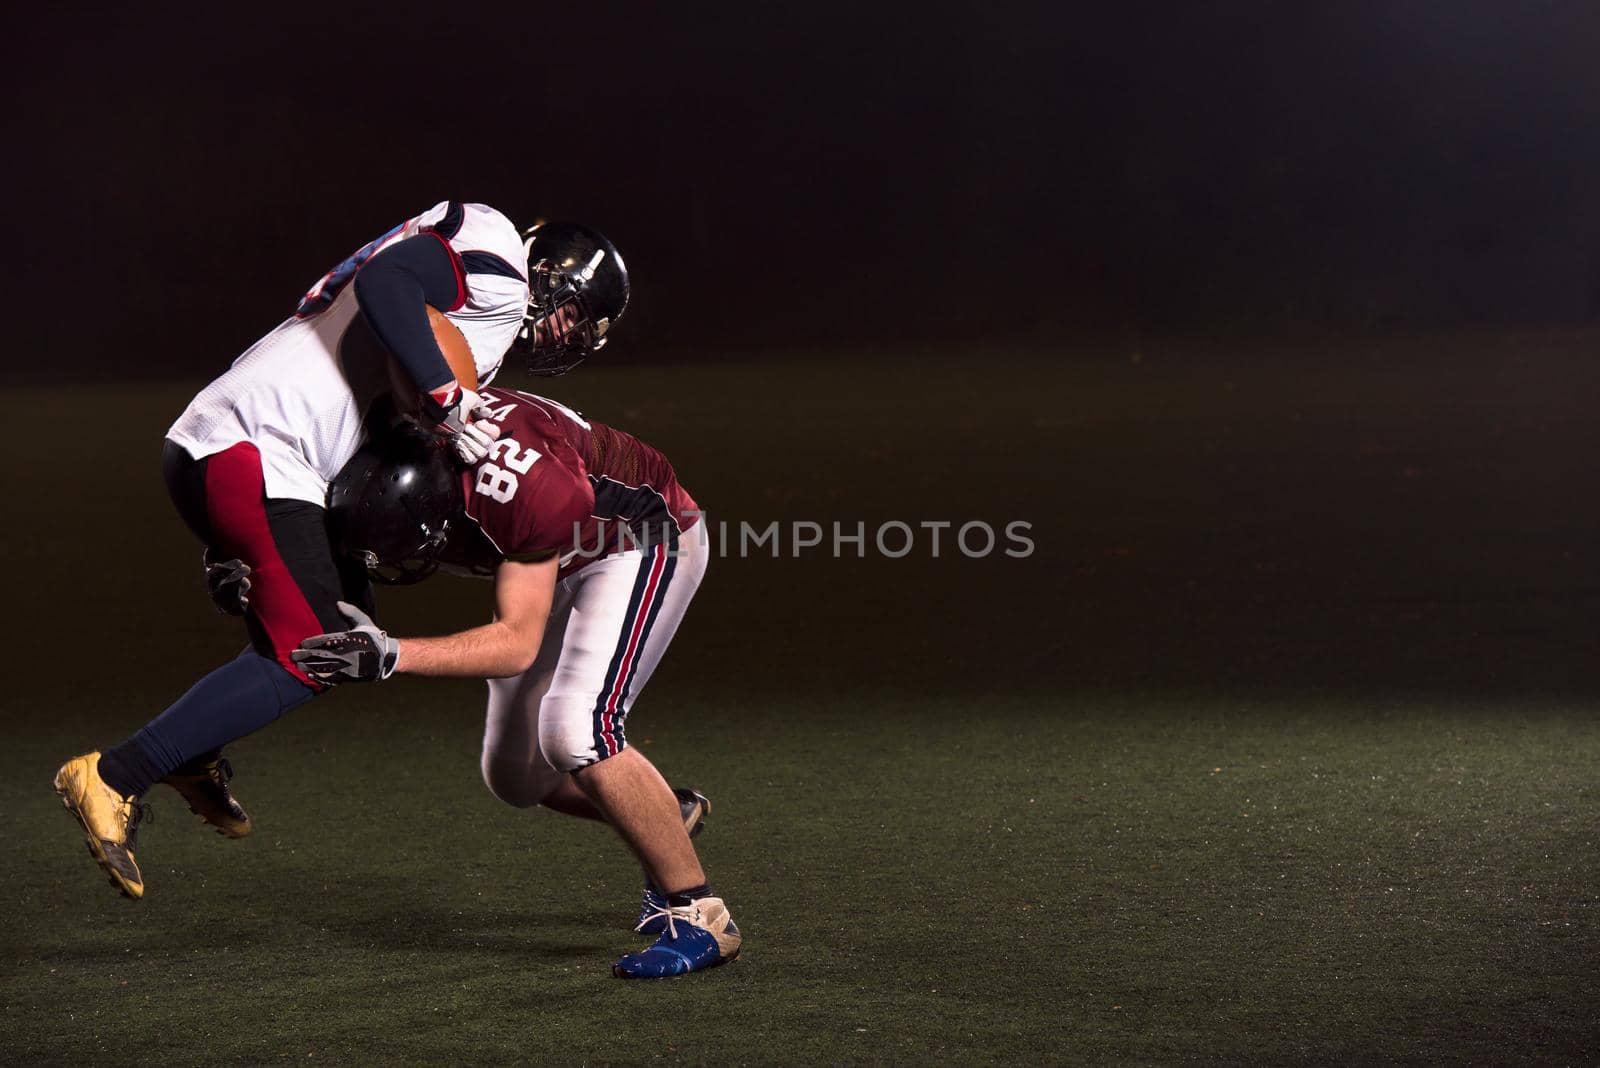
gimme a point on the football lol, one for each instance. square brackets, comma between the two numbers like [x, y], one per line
[457, 353]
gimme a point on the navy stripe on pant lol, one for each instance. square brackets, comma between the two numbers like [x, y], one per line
[644, 603]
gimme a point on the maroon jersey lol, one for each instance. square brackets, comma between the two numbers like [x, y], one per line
[556, 484]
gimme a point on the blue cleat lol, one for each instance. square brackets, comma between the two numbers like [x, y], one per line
[695, 808]
[698, 935]
[651, 911]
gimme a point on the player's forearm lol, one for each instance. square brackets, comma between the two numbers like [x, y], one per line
[493, 651]
[392, 289]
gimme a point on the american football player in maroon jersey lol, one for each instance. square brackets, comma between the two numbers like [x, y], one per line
[595, 550]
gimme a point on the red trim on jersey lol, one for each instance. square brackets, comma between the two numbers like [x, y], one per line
[608, 721]
[236, 507]
[455, 263]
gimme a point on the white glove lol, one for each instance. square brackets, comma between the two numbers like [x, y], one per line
[478, 430]
[461, 416]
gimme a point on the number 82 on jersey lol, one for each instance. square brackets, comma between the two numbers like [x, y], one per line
[499, 482]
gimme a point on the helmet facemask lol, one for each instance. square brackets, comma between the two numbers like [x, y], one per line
[551, 348]
[577, 287]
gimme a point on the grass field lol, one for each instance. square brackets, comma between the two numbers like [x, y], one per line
[1283, 747]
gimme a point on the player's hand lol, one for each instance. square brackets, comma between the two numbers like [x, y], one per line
[361, 654]
[462, 417]
[228, 583]
[477, 436]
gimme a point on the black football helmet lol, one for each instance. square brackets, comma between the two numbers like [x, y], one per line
[392, 505]
[569, 264]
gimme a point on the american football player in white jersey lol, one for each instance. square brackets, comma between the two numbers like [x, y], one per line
[433, 306]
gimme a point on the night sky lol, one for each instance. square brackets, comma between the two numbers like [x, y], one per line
[810, 175]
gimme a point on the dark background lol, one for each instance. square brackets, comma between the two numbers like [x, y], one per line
[1276, 324]
[1276, 321]
[813, 175]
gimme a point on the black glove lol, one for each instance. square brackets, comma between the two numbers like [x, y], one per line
[362, 654]
[228, 582]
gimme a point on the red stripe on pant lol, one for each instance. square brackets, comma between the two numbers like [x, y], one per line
[236, 508]
[608, 719]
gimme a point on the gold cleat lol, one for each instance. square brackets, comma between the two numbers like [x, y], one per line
[208, 796]
[109, 820]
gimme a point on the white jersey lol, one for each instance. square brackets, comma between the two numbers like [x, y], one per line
[300, 394]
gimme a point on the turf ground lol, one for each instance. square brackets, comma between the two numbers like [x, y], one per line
[1281, 748]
